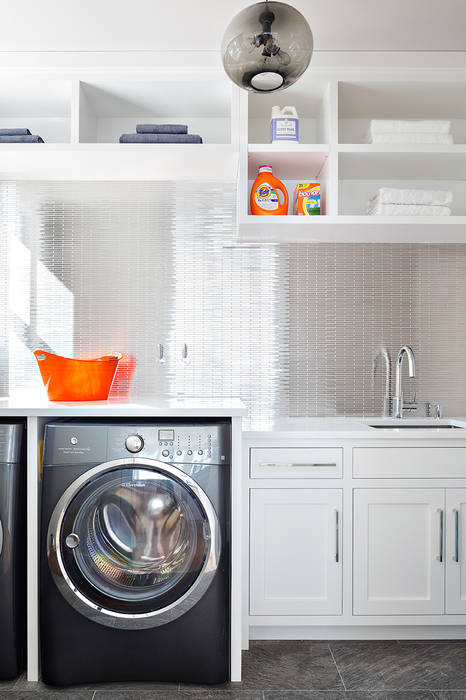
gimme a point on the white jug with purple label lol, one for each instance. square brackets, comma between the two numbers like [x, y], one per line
[285, 124]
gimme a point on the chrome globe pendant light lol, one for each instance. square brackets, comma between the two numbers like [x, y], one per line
[267, 47]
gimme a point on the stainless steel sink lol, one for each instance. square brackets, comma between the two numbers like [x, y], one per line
[416, 426]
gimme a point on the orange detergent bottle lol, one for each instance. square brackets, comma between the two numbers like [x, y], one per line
[265, 193]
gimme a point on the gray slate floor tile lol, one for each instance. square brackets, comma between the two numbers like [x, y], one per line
[450, 694]
[219, 693]
[392, 665]
[290, 665]
[350, 695]
[136, 694]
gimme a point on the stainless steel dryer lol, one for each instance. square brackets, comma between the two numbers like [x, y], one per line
[12, 550]
[135, 582]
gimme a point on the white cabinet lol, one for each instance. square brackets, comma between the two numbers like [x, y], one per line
[456, 551]
[295, 551]
[398, 562]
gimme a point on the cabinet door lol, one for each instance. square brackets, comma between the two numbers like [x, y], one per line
[295, 552]
[398, 562]
[456, 551]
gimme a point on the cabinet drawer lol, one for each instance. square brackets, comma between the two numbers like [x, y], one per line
[296, 463]
[409, 462]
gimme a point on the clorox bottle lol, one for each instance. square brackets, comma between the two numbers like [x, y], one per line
[265, 193]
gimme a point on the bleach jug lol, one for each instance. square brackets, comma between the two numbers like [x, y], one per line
[284, 124]
[265, 193]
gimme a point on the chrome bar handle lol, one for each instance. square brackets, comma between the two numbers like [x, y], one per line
[440, 554]
[297, 464]
[161, 354]
[337, 536]
[456, 556]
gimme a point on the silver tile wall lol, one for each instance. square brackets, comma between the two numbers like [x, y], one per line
[89, 268]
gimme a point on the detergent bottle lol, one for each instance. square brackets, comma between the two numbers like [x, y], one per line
[284, 124]
[265, 193]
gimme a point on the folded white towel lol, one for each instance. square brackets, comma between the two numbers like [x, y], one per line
[393, 195]
[407, 210]
[423, 137]
[410, 126]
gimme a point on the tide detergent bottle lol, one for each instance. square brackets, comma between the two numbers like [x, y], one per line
[265, 193]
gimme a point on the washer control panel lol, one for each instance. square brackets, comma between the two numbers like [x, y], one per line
[180, 443]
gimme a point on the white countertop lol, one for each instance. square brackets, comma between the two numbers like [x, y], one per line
[350, 428]
[36, 405]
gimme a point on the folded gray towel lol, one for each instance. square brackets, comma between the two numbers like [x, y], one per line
[15, 132]
[161, 129]
[27, 138]
[160, 138]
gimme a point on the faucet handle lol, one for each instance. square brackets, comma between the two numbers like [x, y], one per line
[437, 408]
[411, 405]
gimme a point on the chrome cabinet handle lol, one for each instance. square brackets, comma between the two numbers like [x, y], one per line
[456, 556]
[440, 554]
[297, 464]
[1, 538]
[161, 354]
[337, 536]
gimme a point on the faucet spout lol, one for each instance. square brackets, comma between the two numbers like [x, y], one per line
[398, 404]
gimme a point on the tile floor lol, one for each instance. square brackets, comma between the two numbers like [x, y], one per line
[302, 670]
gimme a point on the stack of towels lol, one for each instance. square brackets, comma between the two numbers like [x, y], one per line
[390, 201]
[410, 131]
[19, 136]
[160, 133]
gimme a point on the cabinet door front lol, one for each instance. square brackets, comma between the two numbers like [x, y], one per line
[456, 552]
[295, 552]
[399, 552]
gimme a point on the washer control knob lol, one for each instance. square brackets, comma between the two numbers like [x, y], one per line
[74, 440]
[165, 453]
[200, 452]
[134, 443]
[179, 452]
[72, 540]
[190, 452]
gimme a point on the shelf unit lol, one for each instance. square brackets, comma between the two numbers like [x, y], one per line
[336, 115]
[81, 117]
[81, 113]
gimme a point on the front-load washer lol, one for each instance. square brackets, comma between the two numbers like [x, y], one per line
[12, 550]
[135, 554]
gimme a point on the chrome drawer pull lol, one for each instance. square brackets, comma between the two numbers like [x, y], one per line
[440, 554]
[298, 464]
[337, 536]
[456, 556]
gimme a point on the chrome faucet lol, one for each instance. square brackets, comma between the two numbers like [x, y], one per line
[398, 404]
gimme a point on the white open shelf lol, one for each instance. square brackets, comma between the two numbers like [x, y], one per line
[310, 96]
[41, 105]
[111, 107]
[361, 101]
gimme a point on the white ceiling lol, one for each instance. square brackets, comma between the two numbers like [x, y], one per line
[338, 25]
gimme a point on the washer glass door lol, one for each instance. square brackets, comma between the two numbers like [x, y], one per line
[134, 543]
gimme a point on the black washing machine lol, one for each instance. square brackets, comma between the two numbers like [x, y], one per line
[12, 550]
[135, 555]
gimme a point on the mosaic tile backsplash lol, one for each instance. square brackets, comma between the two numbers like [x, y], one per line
[155, 270]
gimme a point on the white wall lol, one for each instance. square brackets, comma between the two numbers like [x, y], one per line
[344, 25]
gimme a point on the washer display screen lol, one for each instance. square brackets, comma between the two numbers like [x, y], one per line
[166, 435]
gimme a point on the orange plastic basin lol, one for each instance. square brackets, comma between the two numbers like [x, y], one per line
[77, 380]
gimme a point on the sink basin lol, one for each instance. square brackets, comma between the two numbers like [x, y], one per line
[416, 426]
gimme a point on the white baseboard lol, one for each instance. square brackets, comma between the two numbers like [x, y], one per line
[382, 632]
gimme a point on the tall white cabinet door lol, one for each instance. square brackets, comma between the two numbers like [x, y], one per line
[456, 551]
[399, 553]
[295, 552]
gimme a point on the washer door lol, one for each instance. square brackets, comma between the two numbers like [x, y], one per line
[133, 543]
